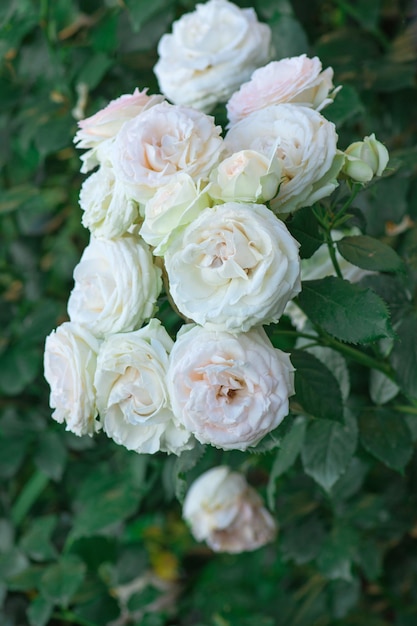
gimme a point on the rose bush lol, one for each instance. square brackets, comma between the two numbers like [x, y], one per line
[238, 257]
[69, 366]
[228, 390]
[132, 396]
[210, 52]
[225, 512]
[303, 141]
[298, 80]
[116, 285]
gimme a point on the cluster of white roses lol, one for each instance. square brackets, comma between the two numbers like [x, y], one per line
[171, 198]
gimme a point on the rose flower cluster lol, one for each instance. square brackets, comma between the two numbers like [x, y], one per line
[172, 205]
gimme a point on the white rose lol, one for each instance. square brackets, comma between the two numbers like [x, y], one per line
[303, 141]
[246, 176]
[151, 149]
[210, 53]
[96, 131]
[69, 364]
[108, 212]
[175, 204]
[223, 510]
[132, 396]
[297, 80]
[234, 267]
[116, 285]
[228, 390]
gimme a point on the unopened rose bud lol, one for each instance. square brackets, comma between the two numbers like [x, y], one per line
[223, 510]
[365, 159]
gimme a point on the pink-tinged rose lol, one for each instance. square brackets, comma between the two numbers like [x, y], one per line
[107, 210]
[227, 513]
[70, 363]
[303, 141]
[116, 285]
[228, 390]
[132, 394]
[295, 80]
[106, 123]
[234, 267]
[153, 148]
[210, 53]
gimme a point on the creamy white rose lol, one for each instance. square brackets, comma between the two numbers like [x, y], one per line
[132, 396]
[108, 211]
[234, 267]
[116, 285]
[228, 390]
[96, 131]
[303, 141]
[227, 513]
[246, 176]
[69, 365]
[175, 204]
[154, 147]
[297, 80]
[210, 53]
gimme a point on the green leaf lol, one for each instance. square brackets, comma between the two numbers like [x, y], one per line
[61, 580]
[385, 434]
[302, 542]
[51, 455]
[12, 453]
[404, 354]
[6, 534]
[36, 542]
[343, 596]
[12, 563]
[12, 199]
[346, 311]
[113, 501]
[95, 69]
[328, 449]
[140, 12]
[286, 456]
[316, 389]
[304, 227]
[370, 254]
[39, 611]
[19, 366]
[288, 36]
[334, 362]
[339, 550]
[381, 388]
[346, 105]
